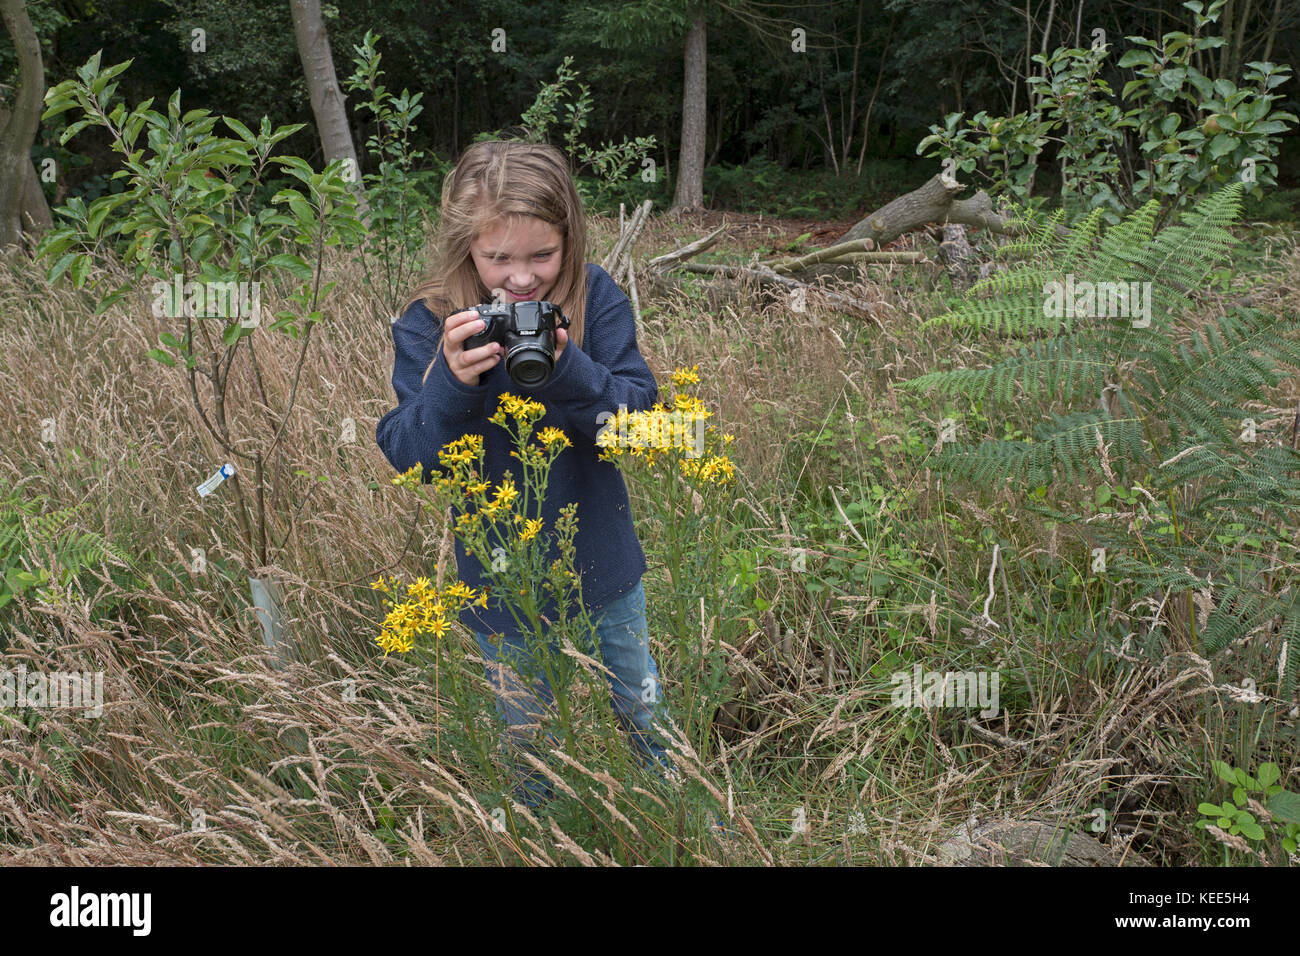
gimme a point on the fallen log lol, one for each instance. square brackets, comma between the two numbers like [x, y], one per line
[935, 201]
[1010, 842]
[765, 275]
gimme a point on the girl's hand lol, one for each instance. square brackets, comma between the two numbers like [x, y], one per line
[467, 366]
[561, 340]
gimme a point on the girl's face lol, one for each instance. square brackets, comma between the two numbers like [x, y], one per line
[521, 257]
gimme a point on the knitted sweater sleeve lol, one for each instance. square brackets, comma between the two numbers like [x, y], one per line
[432, 409]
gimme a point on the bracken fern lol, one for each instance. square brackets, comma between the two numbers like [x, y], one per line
[1169, 401]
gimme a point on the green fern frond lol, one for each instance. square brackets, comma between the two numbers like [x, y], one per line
[1115, 252]
[1046, 366]
[1237, 612]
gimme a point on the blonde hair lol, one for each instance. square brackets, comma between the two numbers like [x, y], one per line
[498, 180]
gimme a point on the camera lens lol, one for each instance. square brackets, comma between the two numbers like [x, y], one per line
[530, 370]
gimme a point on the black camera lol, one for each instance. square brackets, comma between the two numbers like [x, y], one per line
[527, 332]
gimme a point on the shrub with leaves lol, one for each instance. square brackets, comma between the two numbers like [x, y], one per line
[1191, 133]
[186, 242]
[397, 205]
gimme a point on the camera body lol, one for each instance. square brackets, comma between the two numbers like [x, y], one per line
[526, 330]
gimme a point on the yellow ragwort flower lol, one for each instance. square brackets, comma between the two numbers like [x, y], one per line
[520, 409]
[506, 494]
[410, 478]
[691, 404]
[687, 376]
[549, 436]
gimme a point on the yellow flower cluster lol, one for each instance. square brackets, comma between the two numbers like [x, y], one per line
[715, 468]
[504, 498]
[645, 435]
[548, 436]
[411, 477]
[424, 611]
[687, 376]
[523, 410]
[466, 449]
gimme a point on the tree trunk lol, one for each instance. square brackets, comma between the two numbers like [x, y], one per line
[19, 132]
[689, 194]
[36, 216]
[34, 213]
[956, 255]
[322, 83]
[1272, 30]
[935, 201]
[1238, 44]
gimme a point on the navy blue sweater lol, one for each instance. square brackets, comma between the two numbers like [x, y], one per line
[607, 371]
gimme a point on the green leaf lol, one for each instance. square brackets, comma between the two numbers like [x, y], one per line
[1173, 77]
[1225, 772]
[1253, 830]
[79, 270]
[240, 129]
[98, 212]
[302, 209]
[202, 246]
[73, 130]
[1268, 774]
[1209, 809]
[161, 356]
[61, 266]
[231, 335]
[108, 301]
[1285, 806]
[1137, 56]
[293, 264]
[296, 167]
[1223, 144]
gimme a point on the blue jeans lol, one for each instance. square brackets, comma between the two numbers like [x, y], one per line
[635, 692]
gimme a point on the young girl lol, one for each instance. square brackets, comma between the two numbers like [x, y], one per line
[512, 230]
